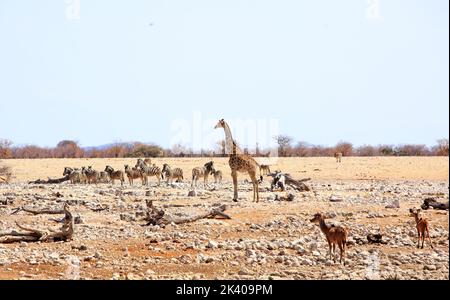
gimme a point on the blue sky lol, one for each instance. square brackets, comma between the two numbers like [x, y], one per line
[128, 70]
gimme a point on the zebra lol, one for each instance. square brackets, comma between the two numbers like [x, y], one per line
[149, 170]
[133, 173]
[204, 172]
[115, 174]
[103, 177]
[172, 173]
[91, 175]
[75, 175]
[145, 161]
[67, 171]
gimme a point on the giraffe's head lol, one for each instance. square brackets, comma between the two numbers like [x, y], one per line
[220, 124]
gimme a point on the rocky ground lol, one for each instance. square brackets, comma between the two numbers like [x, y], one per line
[270, 239]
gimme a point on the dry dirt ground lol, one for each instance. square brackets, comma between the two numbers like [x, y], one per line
[270, 239]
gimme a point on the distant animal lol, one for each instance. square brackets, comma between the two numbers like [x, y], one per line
[171, 174]
[202, 172]
[146, 161]
[103, 177]
[338, 156]
[67, 171]
[91, 174]
[264, 170]
[335, 235]
[217, 176]
[422, 227]
[149, 170]
[133, 173]
[75, 175]
[113, 175]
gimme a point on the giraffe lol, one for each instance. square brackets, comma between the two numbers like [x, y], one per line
[239, 162]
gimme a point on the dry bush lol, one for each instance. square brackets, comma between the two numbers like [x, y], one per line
[144, 150]
[412, 150]
[367, 150]
[5, 174]
[31, 151]
[5, 148]
[68, 149]
[345, 148]
[442, 148]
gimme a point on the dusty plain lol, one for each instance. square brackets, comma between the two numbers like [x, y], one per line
[266, 240]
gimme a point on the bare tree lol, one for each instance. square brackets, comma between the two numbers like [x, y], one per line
[302, 149]
[367, 150]
[284, 143]
[442, 147]
[345, 148]
[68, 149]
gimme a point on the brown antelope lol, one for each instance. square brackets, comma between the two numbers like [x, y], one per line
[217, 176]
[338, 156]
[264, 170]
[422, 226]
[334, 234]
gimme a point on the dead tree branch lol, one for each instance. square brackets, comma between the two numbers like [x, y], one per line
[159, 217]
[29, 234]
[432, 202]
[50, 180]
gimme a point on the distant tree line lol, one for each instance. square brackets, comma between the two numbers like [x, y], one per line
[285, 148]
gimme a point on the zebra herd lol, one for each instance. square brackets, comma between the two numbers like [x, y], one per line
[142, 170]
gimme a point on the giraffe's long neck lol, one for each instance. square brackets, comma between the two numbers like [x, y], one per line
[230, 145]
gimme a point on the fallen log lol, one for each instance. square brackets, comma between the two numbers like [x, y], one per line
[156, 216]
[50, 180]
[432, 202]
[280, 180]
[29, 234]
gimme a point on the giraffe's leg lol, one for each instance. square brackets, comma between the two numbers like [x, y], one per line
[235, 191]
[257, 191]
[255, 187]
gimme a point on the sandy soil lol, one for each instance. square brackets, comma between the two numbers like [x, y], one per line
[352, 168]
[270, 239]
